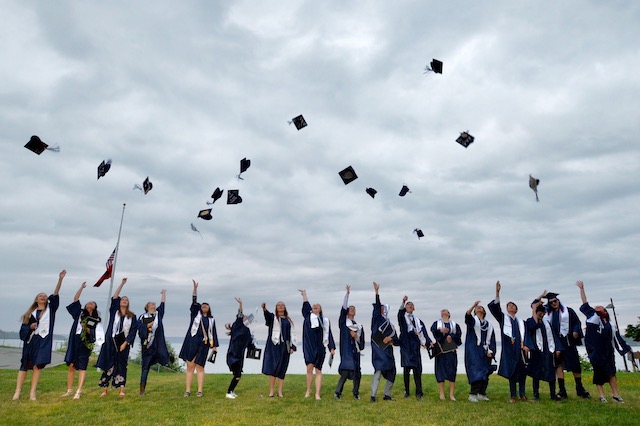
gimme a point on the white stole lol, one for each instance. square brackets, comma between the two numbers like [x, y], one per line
[315, 323]
[354, 326]
[126, 325]
[452, 325]
[550, 341]
[507, 328]
[595, 319]
[418, 322]
[154, 327]
[43, 323]
[478, 331]
[196, 323]
[276, 332]
[564, 320]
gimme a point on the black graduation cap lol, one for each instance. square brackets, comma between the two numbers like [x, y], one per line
[204, 214]
[533, 184]
[299, 122]
[233, 196]
[216, 195]
[419, 232]
[436, 67]
[465, 139]
[372, 192]
[404, 190]
[36, 145]
[551, 295]
[244, 165]
[103, 168]
[348, 175]
[147, 185]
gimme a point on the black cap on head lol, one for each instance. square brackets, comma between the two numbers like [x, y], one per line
[404, 190]
[147, 185]
[418, 232]
[299, 122]
[36, 145]
[348, 175]
[103, 168]
[465, 139]
[436, 66]
[372, 192]
[216, 195]
[533, 184]
[204, 214]
[550, 296]
[233, 196]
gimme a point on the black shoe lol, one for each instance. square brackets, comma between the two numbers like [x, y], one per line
[372, 399]
[584, 394]
[556, 398]
[337, 395]
[406, 395]
[419, 397]
[562, 396]
[388, 398]
[536, 397]
[356, 397]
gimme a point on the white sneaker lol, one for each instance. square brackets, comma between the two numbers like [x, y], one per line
[482, 397]
[473, 398]
[78, 394]
[603, 399]
[231, 395]
[618, 399]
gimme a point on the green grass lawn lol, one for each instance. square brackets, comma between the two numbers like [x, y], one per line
[165, 404]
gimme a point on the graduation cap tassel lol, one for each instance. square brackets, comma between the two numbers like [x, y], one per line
[53, 148]
[194, 229]
[136, 186]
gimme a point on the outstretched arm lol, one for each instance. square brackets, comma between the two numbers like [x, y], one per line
[476, 303]
[376, 287]
[303, 292]
[404, 301]
[60, 278]
[345, 303]
[163, 298]
[239, 304]
[498, 287]
[117, 293]
[583, 295]
[79, 292]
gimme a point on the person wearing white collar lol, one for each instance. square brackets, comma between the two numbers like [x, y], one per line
[153, 349]
[316, 339]
[413, 336]
[120, 336]
[201, 335]
[448, 334]
[351, 345]
[541, 346]
[479, 351]
[281, 343]
[514, 353]
[602, 339]
[36, 332]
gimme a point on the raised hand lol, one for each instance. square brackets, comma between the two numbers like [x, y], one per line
[376, 286]
[62, 274]
[238, 300]
[195, 284]
[498, 287]
[348, 287]
[405, 298]
[580, 284]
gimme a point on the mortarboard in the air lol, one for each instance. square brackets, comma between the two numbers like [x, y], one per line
[147, 185]
[244, 165]
[551, 295]
[216, 195]
[533, 184]
[348, 175]
[36, 145]
[103, 168]
[299, 122]
[404, 190]
[233, 196]
[435, 66]
[204, 214]
[465, 139]
[418, 232]
[372, 192]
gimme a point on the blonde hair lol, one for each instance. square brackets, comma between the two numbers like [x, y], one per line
[25, 317]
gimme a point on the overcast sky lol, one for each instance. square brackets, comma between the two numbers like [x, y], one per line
[182, 91]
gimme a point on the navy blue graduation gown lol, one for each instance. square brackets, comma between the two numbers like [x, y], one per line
[157, 352]
[476, 363]
[349, 347]
[312, 340]
[75, 346]
[107, 357]
[193, 347]
[410, 355]
[599, 341]
[541, 362]
[511, 352]
[276, 357]
[446, 365]
[38, 350]
[382, 359]
[239, 340]
[567, 344]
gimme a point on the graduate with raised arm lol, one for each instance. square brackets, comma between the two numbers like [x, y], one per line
[479, 351]
[567, 331]
[541, 344]
[513, 353]
[413, 336]
[281, 343]
[82, 338]
[36, 331]
[351, 344]
[316, 339]
[602, 340]
[240, 338]
[201, 335]
[446, 332]
[383, 360]
[154, 346]
[120, 336]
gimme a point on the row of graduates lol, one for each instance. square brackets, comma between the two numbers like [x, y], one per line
[542, 347]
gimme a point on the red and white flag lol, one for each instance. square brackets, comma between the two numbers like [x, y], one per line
[109, 270]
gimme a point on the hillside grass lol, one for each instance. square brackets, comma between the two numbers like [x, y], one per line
[165, 404]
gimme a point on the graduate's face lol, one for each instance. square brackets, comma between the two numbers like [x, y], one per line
[41, 298]
[205, 309]
[480, 312]
[124, 302]
[410, 308]
[540, 315]
[512, 309]
[281, 308]
[352, 311]
[316, 309]
[555, 304]
[150, 307]
[91, 307]
[445, 314]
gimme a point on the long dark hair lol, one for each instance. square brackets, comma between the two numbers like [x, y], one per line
[209, 315]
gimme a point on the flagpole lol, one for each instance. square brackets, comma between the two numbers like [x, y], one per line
[115, 258]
